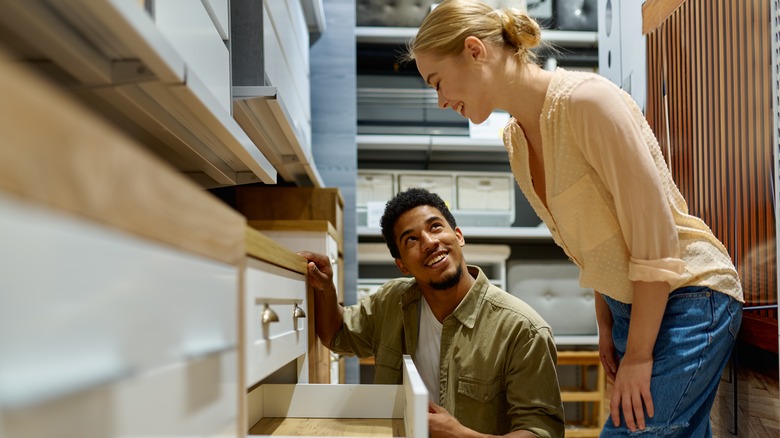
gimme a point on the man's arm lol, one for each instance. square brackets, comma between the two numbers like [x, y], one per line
[442, 424]
[328, 313]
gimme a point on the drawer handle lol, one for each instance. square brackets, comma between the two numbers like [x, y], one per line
[298, 312]
[269, 315]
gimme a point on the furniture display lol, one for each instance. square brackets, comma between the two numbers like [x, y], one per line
[552, 289]
[119, 280]
[279, 348]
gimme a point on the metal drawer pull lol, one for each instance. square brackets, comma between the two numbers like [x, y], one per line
[298, 312]
[269, 315]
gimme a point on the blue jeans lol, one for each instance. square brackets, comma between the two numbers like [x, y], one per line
[697, 334]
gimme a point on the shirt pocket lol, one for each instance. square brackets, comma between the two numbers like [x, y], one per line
[388, 366]
[479, 390]
[482, 405]
[582, 215]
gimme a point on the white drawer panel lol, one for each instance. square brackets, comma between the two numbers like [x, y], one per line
[82, 304]
[197, 398]
[271, 345]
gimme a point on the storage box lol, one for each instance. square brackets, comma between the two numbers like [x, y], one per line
[485, 193]
[374, 187]
[441, 184]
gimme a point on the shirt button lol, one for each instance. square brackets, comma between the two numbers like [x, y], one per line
[485, 397]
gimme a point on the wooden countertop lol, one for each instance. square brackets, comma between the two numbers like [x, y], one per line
[264, 248]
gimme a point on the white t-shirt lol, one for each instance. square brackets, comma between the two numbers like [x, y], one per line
[428, 351]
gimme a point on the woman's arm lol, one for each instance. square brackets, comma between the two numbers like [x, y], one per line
[631, 390]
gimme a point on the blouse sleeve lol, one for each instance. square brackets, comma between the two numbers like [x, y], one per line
[610, 136]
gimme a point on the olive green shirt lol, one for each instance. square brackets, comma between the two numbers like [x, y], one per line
[498, 356]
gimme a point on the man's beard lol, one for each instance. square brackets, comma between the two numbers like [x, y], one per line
[448, 282]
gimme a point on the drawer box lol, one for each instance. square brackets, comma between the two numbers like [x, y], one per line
[273, 293]
[408, 401]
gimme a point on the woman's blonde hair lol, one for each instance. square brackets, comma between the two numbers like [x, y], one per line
[445, 29]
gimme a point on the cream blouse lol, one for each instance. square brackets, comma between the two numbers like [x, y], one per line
[611, 202]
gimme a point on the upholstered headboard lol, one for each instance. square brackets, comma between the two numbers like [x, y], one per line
[552, 288]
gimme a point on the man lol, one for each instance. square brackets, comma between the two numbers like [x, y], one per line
[487, 358]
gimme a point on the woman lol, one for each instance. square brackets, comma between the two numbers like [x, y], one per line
[669, 300]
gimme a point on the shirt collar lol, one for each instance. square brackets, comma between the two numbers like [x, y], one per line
[467, 310]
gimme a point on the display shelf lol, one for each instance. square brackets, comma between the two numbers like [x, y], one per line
[503, 234]
[402, 35]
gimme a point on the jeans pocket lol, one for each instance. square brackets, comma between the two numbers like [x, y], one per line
[735, 313]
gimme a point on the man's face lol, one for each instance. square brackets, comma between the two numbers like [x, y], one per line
[430, 248]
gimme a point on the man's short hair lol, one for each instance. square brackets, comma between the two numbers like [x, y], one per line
[403, 202]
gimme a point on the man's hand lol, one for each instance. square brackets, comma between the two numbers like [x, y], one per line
[327, 311]
[442, 424]
[319, 272]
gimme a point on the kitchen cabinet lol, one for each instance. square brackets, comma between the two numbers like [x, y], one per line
[164, 73]
[119, 280]
[275, 279]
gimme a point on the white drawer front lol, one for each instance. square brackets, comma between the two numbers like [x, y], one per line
[82, 304]
[275, 293]
[198, 398]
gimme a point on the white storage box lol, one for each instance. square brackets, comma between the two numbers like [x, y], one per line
[374, 187]
[485, 193]
[441, 184]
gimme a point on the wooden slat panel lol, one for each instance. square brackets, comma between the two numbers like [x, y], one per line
[714, 58]
[656, 12]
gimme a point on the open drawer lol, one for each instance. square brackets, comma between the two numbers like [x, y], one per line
[323, 410]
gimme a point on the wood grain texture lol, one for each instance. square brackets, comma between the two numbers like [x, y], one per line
[264, 248]
[58, 154]
[655, 12]
[329, 427]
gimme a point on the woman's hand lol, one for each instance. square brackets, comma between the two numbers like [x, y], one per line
[609, 359]
[631, 392]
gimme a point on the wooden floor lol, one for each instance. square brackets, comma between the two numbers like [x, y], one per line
[757, 398]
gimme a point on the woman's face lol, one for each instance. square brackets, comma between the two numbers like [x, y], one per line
[457, 81]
